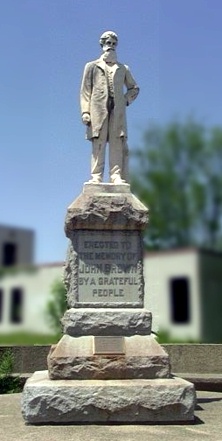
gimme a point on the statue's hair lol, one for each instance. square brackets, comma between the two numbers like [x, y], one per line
[106, 35]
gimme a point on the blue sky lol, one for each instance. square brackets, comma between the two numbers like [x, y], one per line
[173, 48]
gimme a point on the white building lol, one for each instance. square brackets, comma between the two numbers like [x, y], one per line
[24, 294]
[16, 246]
[183, 292]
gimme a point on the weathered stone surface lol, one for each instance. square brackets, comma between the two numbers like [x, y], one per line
[105, 269]
[91, 321]
[97, 401]
[74, 358]
[108, 206]
[105, 187]
[104, 265]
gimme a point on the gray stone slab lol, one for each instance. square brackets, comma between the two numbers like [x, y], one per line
[207, 425]
[108, 188]
[91, 401]
[195, 358]
[104, 321]
[74, 358]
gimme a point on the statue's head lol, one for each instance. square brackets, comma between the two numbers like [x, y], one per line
[108, 41]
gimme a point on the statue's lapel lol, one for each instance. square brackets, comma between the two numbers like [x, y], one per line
[101, 64]
[115, 68]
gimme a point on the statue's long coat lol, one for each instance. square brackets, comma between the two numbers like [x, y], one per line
[94, 96]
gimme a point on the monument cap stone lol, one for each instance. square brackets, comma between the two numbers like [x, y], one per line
[106, 207]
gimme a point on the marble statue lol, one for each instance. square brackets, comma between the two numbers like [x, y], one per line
[108, 87]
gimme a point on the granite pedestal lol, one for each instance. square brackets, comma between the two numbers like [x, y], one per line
[107, 367]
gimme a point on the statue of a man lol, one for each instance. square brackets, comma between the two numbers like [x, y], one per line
[107, 88]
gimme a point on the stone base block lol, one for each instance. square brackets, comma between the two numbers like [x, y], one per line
[96, 401]
[103, 321]
[75, 358]
[106, 207]
[105, 187]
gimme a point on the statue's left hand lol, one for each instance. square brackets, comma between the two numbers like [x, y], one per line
[86, 118]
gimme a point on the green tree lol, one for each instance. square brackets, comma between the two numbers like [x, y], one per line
[56, 306]
[177, 174]
[212, 211]
[8, 382]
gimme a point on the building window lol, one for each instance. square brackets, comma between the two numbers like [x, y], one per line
[1, 304]
[180, 300]
[16, 312]
[9, 254]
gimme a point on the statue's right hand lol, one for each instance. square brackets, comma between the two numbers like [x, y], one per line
[86, 118]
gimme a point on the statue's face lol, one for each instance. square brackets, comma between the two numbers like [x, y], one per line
[110, 44]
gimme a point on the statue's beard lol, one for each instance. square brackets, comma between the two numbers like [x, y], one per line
[110, 56]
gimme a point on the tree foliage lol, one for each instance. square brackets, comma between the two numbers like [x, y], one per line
[177, 173]
[56, 306]
[8, 382]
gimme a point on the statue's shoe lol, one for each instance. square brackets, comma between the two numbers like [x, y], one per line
[95, 181]
[118, 181]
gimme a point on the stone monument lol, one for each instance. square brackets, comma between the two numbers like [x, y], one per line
[107, 367]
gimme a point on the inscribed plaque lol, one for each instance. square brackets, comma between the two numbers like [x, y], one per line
[109, 345]
[109, 266]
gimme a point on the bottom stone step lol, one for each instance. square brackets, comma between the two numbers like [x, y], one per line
[47, 401]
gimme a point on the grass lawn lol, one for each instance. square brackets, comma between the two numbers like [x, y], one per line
[26, 339]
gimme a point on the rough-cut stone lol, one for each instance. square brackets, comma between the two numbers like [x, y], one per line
[116, 208]
[104, 265]
[91, 321]
[74, 358]
[97, 401]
